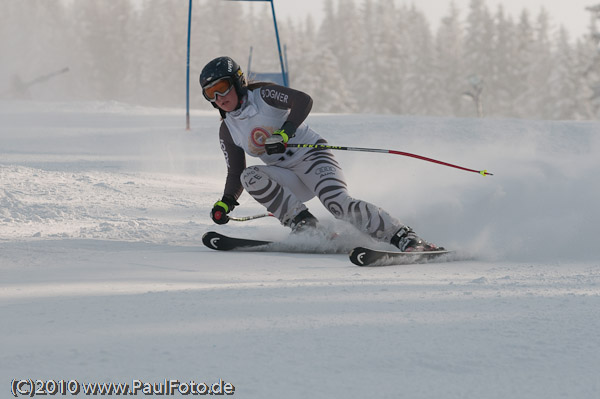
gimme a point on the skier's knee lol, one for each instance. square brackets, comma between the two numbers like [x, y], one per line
[250, 176]
[339, 205]
[336, 210]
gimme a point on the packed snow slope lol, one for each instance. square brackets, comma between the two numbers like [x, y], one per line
[104, 278]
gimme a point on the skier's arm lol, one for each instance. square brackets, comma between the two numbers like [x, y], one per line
[298, 102]
[236, 163]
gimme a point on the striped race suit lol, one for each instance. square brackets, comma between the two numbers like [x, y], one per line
[288, 180]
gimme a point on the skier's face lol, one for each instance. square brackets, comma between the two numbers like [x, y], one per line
[228, 102]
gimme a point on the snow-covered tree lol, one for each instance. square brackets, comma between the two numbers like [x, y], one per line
[541, 59]
[563, 81]
[478, 65]
[365, 55]
[449, 73]
[419, 83]
[591, 62]
[522, 67]
[324, 66]
[501, 85]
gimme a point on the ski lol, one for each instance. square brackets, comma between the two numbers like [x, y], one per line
[307, 244]
[361, 256]
[220, 242]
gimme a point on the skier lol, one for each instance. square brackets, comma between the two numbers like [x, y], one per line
[259, 119]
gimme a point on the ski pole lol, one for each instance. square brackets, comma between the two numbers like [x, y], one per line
[246, 218]
[406, 154]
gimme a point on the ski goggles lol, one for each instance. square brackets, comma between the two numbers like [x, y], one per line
[221, 87]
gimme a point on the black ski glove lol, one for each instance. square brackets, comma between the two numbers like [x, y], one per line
[222, 208]
[277, 143]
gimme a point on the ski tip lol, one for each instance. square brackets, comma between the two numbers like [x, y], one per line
[359, 256]
[211, 240]
[220, 242]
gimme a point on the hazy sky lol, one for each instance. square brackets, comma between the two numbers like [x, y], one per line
[570, 13]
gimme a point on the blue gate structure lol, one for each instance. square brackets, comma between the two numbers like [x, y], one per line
[279, 78]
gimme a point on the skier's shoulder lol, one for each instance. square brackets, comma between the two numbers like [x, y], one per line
[279, 96]
[274, 92]
[224, 133]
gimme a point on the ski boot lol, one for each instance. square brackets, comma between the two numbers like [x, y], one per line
[303, 222]
[408, 241]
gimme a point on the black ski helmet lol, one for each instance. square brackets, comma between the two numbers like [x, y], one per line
[224, 67]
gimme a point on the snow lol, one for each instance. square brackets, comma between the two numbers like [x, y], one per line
[104, 278]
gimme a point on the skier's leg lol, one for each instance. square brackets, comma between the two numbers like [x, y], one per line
[280, 191]
[320, 172]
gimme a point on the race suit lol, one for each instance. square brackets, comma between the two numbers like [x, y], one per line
[288, 180]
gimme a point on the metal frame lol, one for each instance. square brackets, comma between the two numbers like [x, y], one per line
[187, 84]
[283, 68]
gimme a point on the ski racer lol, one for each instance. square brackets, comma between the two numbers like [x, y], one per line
[260, 119]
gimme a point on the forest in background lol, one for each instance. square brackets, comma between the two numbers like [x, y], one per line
[366, 56]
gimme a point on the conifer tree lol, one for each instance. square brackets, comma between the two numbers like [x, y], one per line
[373, 56]
[449, 72]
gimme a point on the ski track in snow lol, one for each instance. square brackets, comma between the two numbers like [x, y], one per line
[100, 205]
[104, 278]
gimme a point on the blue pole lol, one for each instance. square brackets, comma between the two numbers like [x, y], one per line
[283, 74]
[187, 91]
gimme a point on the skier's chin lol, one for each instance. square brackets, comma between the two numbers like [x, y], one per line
[226, 106]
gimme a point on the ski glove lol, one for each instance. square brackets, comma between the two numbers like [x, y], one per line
[277, 143]
[222, 208]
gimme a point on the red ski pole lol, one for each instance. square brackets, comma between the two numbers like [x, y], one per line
[406, 154]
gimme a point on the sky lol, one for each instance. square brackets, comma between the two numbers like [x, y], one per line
[569, 13]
